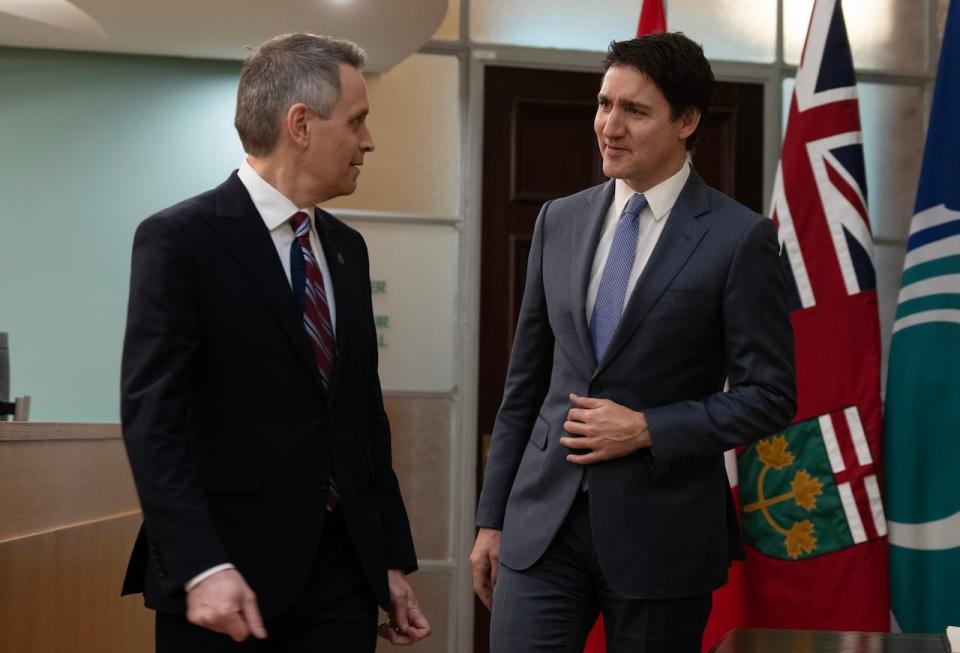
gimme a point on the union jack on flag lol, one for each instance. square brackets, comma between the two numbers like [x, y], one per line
[821, 175]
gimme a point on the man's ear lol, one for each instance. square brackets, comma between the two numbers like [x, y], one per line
[689, 120]
[296, 124]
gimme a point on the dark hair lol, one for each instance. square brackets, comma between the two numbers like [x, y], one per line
[675, 64]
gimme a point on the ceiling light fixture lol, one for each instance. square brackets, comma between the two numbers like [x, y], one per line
[57, 13]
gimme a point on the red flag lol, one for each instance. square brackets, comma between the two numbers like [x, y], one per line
[652, 21]
[811, 511]
[652, 18]
[597, 641]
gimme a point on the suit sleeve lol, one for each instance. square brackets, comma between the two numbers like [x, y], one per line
[157, 392]
[759, 350]
[393, 514]
[528, 379]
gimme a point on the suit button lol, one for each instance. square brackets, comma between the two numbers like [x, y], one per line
[596, 387]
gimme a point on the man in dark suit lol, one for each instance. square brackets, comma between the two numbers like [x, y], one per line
[605, 488]
[251, 406]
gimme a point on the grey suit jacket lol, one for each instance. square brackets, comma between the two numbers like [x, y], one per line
[710, 305]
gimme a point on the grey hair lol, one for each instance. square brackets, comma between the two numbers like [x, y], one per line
[285, 70]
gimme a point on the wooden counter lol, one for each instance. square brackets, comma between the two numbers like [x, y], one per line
[68, 518]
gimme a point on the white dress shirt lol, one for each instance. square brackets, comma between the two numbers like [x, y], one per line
[276, 210]
[653, 218]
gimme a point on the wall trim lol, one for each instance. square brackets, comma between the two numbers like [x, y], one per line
[393, 217]
[34, 431]
[72, 525]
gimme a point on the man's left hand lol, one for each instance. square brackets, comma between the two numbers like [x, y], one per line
[406, 624]
[607, 429]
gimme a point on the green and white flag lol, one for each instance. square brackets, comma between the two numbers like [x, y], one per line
[923, 383]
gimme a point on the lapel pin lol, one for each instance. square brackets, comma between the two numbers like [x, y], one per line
[340, 257]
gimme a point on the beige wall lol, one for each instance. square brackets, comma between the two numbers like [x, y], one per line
[415, 122]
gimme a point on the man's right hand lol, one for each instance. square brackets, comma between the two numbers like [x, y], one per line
[225, 604]
[485, 561]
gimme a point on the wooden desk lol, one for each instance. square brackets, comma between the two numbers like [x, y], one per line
[68, 517]
[757, 640]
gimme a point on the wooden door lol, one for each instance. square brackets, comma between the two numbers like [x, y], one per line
[539, 144]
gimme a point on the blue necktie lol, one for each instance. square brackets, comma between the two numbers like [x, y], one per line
[608, 308]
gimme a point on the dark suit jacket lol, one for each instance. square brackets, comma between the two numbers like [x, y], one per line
[710, 304]
[229, 434]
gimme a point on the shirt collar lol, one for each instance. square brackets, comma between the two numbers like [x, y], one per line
[274, 207]
[660, 198]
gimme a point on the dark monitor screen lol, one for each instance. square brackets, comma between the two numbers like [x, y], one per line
[4, 368]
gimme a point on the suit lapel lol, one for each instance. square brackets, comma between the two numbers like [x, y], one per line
[241, 228]
[585, 236]
[679, 239]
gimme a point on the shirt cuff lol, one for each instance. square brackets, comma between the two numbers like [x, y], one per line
[196, 580]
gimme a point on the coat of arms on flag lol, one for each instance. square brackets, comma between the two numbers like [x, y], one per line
[811, 490]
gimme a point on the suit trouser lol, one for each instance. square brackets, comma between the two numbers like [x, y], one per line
[553, 605]
[336, 612]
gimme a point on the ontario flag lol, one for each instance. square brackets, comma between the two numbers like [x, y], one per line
[811, 508]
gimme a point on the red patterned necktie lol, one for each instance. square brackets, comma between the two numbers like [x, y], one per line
[316, 311]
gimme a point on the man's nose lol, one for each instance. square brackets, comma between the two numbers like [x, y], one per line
[366, 141]
[613, 126]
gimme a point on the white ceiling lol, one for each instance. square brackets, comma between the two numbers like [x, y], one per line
[389, 30]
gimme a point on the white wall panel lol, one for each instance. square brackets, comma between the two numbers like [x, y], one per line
[413, 268]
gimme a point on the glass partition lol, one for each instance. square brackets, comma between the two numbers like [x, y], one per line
[735, 30]
[565, 24]
[884, 34]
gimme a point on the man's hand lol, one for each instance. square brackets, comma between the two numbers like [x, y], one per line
[607, 429]
[406, 624]
[485, 562]
[225, 603]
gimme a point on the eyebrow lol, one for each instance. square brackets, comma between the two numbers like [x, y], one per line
[636, 105]
[624, 103]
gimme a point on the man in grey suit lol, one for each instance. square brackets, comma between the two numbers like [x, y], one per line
[605, 490]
